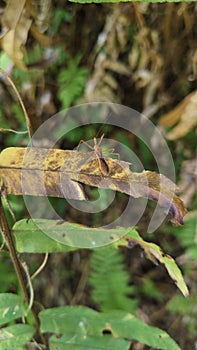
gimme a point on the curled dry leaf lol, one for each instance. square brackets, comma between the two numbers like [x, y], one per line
[110, 45]
[16, 24]
[61, 173]
[42, 12]
[185, 114]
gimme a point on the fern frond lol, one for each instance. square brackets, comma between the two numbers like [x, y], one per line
[109, 280]
[72, 82]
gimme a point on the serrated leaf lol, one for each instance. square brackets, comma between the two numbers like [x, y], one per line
[72, 82]
[105, 294]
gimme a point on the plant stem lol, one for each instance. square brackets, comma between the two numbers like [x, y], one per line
[17, 266]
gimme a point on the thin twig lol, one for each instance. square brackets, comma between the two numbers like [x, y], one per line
[41, 267]
[31, 290]
[4, 195]
[6, 76]
[14, 131]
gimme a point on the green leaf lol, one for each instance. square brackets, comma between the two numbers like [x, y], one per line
[30, 239]
[11, 307]
[32, 236]
[15, 337]
[128, 326]
[105, 294]
[114, 1]
[154, 253]
[72, 82]
[68, 342]
[82, 322]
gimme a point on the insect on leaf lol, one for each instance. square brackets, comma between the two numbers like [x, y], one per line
[44, 172]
